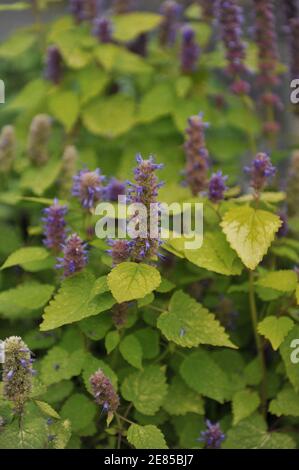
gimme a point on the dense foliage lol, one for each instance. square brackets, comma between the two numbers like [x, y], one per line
[143, 343]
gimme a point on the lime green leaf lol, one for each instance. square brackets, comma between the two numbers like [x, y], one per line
[275, 329]
[250, 232]
[287, 350]
[165, 286]
[244, 403]
[29, 96]
[58, 392]
[188, 324]
[79, 297]
[80, 410]
[131, 350]
[146, 437]
[69, 43]
[284, 280]
[286, 403]
[181, 400]
[117, 59]
[32, 434]
[47, 409]
[64, 106]
[39, 180]
[25, 255]
[205, 377]
[161, 93]
[111, 341]
[91, 365]
[111, 116]
[15, 6]
[15, 303]
[92, 82]
[62, 432]
[129, 281]
[16, 45]
[251, 433]
[129, 26]
[146, 389]
[59, 365]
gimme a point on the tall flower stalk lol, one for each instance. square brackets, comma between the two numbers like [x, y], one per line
[171, 12]
[39, 135]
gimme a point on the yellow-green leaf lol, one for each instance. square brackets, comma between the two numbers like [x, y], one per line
[25, 255]
[275, 329]
[64, 106]
[146, 437]
[129, 26]
[283, 281]
[244, 403]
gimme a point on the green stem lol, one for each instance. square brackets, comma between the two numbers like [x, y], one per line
[258, 341]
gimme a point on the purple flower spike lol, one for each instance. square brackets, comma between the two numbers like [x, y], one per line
[102, 29]
[190, 50]
[74, 256]
[88, 187]
[120, 250]
[171, 12]
[103, 391]
[212, 436]
[261, 170]
[53, 69]
[54, 226]
[217, 187]
[77, 9]
[114, 189]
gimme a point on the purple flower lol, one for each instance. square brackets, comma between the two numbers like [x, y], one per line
[171, 12]
[217, 187]
[231, 19]
[114, 189]
[102, 29]
[212, 436]
[88, 187]
[294, 25]
[53, 70]
[74, 256]
[260, 171]
[103, 391]
[197, 156]
[190, 50]
[120, 250]
[77, 9]
[54, 226]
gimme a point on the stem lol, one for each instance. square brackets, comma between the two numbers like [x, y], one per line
[124, 419]
[258, 342]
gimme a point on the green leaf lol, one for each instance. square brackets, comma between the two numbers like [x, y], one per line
[129, 26]
[250, 232]
[130, 281]
[80, 410]
[18, 6]
[59, 365]
[275, 329]
[15, 303]
[111, 341]
[29, 96]
[161, 93]
[47, 409]
[39, 180]
[286, 403]
[119, 60]
[284, 280]
[215, 255]
[131, 350]
[146, 389]
[16, 45]
[64, 106]
[205, 377]
[188, 324]
[181, 400]
[69, 43]
[32, 434]
[287, 350]
[79, 297]
[251, 433]
[244, 403]
[92, 82]
[297, 294]
[58, 392]
[111, 116]
[25, 255]
[62, 432]
[146, 437]
[149, 340]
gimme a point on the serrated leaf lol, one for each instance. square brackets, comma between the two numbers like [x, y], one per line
[16, 303]
[146, 437]
[130, 281]
[131, 350]
[25, 255]
[215, 255]
[80, 410]
[64, 106]
[47, 409]
[188, 324]
[146, 389]
[111, 341]
[32, 434]
[59, 365]
[286, 403]
[79, 297]
[129, 26]
[286, 351]
[275, 329]
[284, 280]
[181, 400]
[244, 403]
[250, 232]
[203, 375]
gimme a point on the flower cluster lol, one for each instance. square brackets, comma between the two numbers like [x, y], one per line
[102, 29]
[7, 148]
[231, 19]
[68, 170]
[217, 187]
[17, 372]
[197, 155]
[114, 189]
[54, 226]
[120, 250]
[103, 391]
[53, 69]
[293, 185]
[171, 12]
[88, 187]
[74, 256]
[212, 436]
[260, 171]
[294, 27]
[290, 8]
[190, 50]
[39, 135]
[83, 9]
